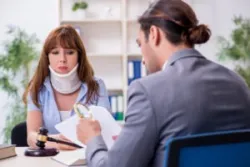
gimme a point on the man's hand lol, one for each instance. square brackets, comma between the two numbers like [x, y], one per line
[87, 129]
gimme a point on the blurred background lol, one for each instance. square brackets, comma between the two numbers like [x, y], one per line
[108, 29]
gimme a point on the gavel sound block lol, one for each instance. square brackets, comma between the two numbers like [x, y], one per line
[41, 151]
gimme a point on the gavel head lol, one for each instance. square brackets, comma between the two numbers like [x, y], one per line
[42, 137]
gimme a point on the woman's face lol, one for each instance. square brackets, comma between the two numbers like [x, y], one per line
[63, 60]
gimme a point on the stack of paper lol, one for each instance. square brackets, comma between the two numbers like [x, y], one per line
[108, 124]
[71, 158]
[67, 128]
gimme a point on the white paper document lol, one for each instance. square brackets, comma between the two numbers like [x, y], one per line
[71, 158]
[109, 126]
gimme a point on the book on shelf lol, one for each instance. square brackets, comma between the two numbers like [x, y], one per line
[7, 151]
[116, 101]
[136, 70]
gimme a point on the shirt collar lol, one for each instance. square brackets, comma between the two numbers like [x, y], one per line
[164, 65]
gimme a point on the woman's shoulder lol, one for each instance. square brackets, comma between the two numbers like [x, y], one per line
[99, 81]
[44, 89]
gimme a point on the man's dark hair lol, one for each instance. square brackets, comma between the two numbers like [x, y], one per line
[177, 20]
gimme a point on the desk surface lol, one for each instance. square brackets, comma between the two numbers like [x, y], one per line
[22, 160]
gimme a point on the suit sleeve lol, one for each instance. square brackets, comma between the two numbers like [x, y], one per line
[136, 143]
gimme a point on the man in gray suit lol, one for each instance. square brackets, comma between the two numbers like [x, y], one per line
[184, 94]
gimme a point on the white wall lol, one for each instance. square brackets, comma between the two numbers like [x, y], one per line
[218, 15]
[42, 19]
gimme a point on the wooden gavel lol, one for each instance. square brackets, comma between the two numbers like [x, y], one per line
[42, 138]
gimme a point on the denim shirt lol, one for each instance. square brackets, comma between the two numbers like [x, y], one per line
[49, 109]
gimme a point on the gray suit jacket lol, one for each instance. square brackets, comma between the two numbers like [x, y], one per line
[191, 95]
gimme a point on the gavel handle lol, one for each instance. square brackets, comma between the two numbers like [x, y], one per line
[63, 142]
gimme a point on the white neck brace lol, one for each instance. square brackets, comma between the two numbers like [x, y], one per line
[65, 83]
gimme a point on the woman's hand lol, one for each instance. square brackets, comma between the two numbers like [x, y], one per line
[32, 139]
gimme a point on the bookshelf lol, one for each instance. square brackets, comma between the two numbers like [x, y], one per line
[109, 30]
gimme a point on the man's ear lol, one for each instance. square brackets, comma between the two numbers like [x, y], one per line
[154, 35]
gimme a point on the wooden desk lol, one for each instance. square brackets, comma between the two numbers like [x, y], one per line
[22, 161]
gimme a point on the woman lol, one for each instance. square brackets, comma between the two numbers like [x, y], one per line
[63, 77]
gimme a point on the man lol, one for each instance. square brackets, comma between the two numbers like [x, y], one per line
[184, 94]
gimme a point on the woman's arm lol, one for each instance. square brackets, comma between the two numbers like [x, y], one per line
[34, 122]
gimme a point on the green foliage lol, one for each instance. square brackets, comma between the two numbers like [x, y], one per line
[20, 52]
[80, 5]
[245, 73]
[17, 115]
[237, 48]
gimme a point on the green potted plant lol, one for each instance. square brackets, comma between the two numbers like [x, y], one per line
[20, 51]
[80, 9]
[237, 48]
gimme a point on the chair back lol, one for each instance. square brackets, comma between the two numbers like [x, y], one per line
[221, 149]
[19, 135]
